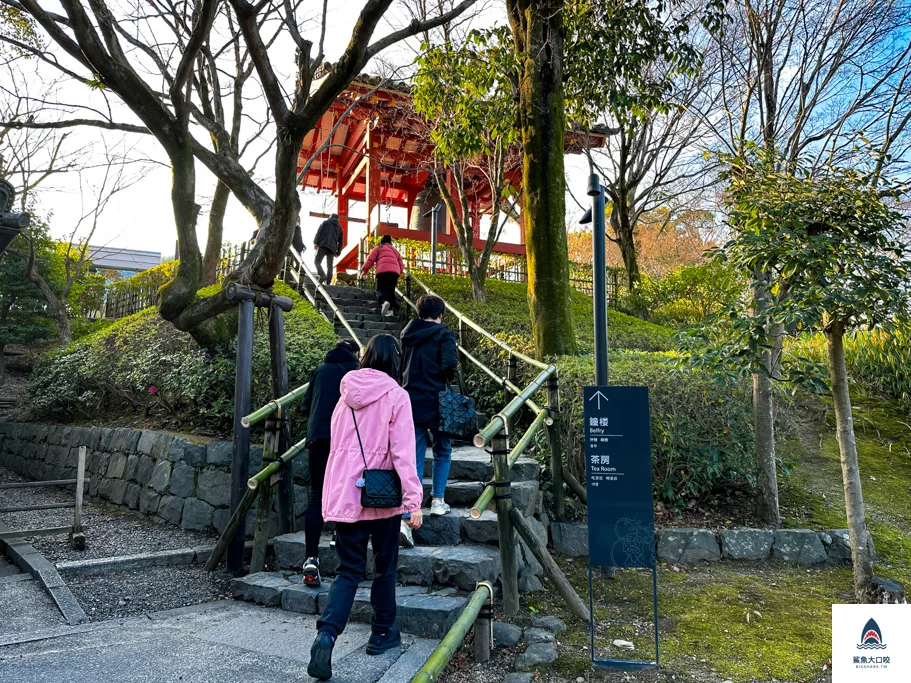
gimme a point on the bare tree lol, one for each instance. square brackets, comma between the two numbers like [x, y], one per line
[91, 35]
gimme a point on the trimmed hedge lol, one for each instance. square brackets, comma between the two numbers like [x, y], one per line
[142, 365]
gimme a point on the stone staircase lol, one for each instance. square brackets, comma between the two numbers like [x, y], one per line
[452, 554]
[361, 310]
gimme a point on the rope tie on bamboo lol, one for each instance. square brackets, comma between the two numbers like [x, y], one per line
[499, 487]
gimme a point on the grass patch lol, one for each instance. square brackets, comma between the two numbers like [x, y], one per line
[813, 497]
[740, 621]
[506, 315]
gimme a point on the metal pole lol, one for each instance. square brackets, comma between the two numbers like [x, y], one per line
[240, 463]
[434, 230]
[599, 278]
[286, 512]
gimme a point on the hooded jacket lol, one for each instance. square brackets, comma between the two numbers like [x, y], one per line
[387, 259]
[324, 391]
[430, 360]
[387, 434]
[329, 235]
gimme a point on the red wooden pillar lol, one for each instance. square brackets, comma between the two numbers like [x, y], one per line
[453, 192]
[374, 188]
[342, 212]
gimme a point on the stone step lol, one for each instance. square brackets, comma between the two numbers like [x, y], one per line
[474, 464]
[459, 566]
[465, 494]
[418, 611]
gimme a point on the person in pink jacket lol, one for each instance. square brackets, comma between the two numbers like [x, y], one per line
[389, 267]
[375, 408]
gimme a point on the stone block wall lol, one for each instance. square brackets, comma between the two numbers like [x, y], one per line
[185, 481]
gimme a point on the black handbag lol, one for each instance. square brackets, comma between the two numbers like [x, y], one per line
[379, 488]
[458, 417]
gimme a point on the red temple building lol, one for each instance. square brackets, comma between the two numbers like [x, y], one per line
[371, 147]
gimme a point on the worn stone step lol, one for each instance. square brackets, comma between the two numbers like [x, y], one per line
[418, 612]
[465, 493]
[460, 566]
[474, 464]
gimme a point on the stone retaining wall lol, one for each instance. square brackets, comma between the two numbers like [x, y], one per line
[686, 546]
[183, 480]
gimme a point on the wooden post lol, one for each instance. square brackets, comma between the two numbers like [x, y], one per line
[286, 512]
[238, 518]
[509, 573]
[556, 446]
[77, 537]
[240, 461]
[550, 567]
[264, 502]
[483, 630]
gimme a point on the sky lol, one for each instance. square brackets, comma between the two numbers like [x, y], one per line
[140, 216]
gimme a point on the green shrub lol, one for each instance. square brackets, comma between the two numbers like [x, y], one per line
[142, 364]
[702, 433]
[879, 359]
[686, 297]
[82, 327]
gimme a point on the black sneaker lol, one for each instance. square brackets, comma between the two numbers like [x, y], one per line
[320, 665]
[380, 642]
[311, 572]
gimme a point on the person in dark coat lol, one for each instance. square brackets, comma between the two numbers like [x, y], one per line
[328, 245]
[319, 401]
[431, 360]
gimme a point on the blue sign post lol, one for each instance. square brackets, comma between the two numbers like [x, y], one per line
[621, 515]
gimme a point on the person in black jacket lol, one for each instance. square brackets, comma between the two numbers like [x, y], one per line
[328, 245]
[430, 361]
[318, 403]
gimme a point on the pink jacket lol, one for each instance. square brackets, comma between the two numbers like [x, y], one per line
[387, 259]
[383, 412]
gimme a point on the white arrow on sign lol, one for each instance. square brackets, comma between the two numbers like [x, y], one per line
[600, 396]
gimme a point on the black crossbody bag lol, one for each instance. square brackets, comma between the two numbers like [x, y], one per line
[381, 488]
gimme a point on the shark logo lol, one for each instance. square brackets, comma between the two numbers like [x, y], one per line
[872, 637]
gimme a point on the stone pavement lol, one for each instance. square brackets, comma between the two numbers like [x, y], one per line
[221, 641]
[24, 604]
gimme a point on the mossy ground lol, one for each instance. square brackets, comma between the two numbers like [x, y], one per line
[727, 621]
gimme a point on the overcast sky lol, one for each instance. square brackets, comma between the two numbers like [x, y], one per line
[141, 217]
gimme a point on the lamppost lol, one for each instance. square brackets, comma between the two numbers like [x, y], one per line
[595, 215]
[11, 223]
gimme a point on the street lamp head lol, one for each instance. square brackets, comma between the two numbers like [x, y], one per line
[586, 218]
[594, 185]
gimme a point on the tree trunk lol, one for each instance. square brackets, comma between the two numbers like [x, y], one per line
[623, 229]
[477, 286]
[57, 306]
[2, 364]
[214, 239]
[764, 423]
[850, 471]
[537, 28]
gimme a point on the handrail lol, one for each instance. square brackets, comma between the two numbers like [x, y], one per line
[272, 407]
[500, 421]
[440, 657]
[274, 466]
[480, 330]
[319, 288]
[487, 495]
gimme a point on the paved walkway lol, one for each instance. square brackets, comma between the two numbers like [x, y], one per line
[222, 641]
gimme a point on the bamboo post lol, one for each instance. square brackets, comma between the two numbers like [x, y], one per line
[509, 573]
[550, 567]
[264, 502]
[77, 537]
[483, 629]
[556, 447]
[440, 657]
[576, 487]
[286, 512]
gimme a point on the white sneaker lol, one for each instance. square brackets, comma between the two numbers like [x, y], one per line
[438, 507]
[386, 309]
[406, 540]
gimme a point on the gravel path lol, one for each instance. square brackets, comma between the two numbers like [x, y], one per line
[109, 531]
[129, 594]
